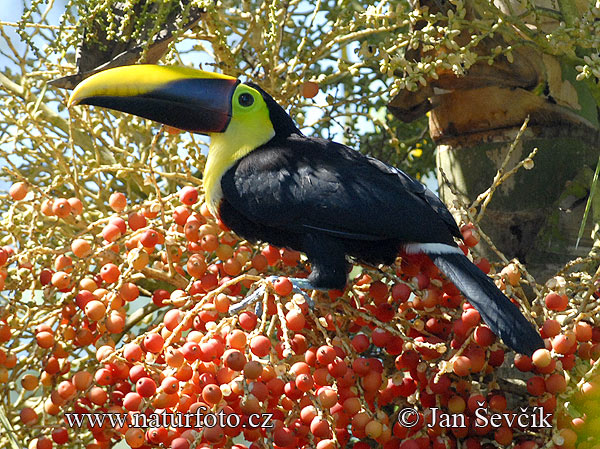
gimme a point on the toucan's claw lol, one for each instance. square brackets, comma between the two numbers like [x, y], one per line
[248, 300]
[303, 284]
[299, 285]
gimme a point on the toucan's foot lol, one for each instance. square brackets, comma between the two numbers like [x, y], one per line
[299, 285]
[248, 300]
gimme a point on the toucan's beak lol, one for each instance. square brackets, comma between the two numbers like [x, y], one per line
[184, 98]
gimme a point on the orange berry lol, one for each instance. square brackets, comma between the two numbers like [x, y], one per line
[28, 416]
[95, 310]
[196, 266]
[76, 205]
[583, 331]
[46, 207]
[134, 437]
[310, 89]
[30, 382]
[82, 380]
[117, 201]
[45, 339]
[462, 366]
[211, 394]
[570, 438]
[373, 429]
[456, 404]
[110, 273]
[61, 207]
[550, 328]
[111, 232]
[81, 248]
[541, 358]
[295, 320]
[18, 191]
[236, 339]
[61, 280]
[136, 221]
[511, 274]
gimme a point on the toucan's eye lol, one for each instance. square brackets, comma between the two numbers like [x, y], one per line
[246, 100]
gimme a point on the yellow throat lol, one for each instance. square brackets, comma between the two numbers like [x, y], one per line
[249, 128]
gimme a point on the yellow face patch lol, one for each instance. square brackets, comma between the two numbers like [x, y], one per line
[249, 128]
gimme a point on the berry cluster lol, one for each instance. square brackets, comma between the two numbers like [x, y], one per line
[136, 321]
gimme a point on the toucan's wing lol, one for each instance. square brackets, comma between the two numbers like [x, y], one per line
[422, 191]
[300, 184]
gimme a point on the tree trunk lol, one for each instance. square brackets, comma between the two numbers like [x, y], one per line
[535, 214]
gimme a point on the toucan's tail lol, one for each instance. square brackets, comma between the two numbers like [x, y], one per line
[502, 316]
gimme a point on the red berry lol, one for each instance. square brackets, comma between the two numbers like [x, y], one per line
[181, 215]
[556, 302]
[564, 343]
[248, 320]
[523, 362]
[132, 401]
[295, 320]
[260, 345]
[60, 435]
[401, 292]
[104, 377]
[536, 386]
[188, 195]
[360, 342]
[555, 383]
[378, 291]
[154, 342]
[304, 382]
[283, 286]
[132, 352]
[583, 331]
[145, 387]
[471, 318]
[149, 238]
[110, 273]
[484, 336]
[325, 355]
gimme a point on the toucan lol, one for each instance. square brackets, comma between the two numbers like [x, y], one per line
[268, 182]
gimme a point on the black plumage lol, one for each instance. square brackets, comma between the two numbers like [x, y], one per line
[326, 199]
[330, 202]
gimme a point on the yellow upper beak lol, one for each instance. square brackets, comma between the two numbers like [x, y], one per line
[189, 99]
